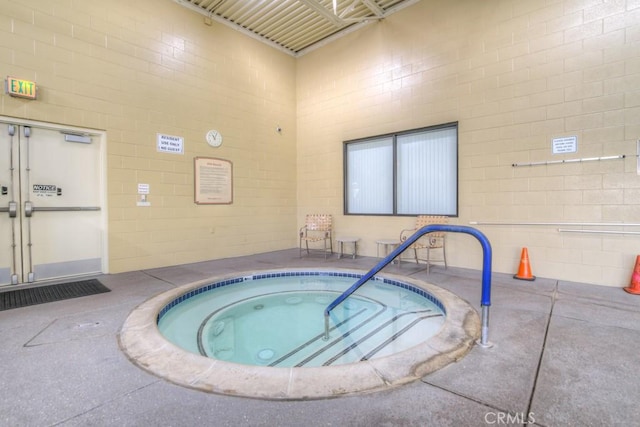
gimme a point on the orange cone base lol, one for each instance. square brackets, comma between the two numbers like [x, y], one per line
[635, 290]
[634, 286]
[531, 278]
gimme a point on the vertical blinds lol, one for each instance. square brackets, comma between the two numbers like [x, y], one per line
[427, 172]
[413, 173]
[370, 177]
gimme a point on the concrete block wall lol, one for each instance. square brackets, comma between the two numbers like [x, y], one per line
[515, 75]
[138, 68]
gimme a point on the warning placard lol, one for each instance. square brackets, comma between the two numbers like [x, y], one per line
[567, 144]
[45, 190]
[170, 144]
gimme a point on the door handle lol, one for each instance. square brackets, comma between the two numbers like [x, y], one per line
[29, 209]
[12, 209]
[66, 208]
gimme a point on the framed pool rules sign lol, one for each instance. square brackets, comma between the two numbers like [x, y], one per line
[213, 181]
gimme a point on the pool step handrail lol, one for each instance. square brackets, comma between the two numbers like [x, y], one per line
[485, 301]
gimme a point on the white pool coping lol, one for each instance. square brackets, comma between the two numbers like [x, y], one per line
[142, 342]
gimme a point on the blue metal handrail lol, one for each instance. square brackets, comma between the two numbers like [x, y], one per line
[485, 301]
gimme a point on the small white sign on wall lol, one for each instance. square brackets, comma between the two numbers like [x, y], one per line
[568, 144]
[143, 191]
[170, 144]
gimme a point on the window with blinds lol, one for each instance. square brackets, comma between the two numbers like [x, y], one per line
[408, 173]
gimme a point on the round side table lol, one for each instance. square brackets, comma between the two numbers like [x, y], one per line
[352, 240]
[388, 246]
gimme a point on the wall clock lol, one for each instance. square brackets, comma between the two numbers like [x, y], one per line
[214, 138]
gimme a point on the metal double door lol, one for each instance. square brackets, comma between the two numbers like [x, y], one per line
[51, 213]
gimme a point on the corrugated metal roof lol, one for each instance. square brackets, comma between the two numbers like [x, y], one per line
[296, 26]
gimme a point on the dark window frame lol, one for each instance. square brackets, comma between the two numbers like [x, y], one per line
[394, 137]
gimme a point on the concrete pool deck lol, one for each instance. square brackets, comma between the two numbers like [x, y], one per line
[564, 354]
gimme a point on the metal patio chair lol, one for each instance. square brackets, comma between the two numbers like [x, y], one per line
[434, 241]
[317, 228]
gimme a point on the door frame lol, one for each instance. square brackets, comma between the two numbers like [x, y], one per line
[101, 136]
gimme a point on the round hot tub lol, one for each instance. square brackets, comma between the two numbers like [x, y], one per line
[261, 334]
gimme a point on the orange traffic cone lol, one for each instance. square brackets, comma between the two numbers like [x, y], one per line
[524, 272]
[634, 287]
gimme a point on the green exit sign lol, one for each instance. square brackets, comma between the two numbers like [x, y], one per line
[21, 88]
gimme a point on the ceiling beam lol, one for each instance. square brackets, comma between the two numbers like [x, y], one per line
[373, 7]
[333, 37]
[320, 10]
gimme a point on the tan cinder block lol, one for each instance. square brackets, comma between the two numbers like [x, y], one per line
[514, 75]
[135, 79]
[604, 197]
[517, 112]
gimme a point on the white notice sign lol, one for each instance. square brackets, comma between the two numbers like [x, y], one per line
[170, 144]
[143, 188]
[568, 144]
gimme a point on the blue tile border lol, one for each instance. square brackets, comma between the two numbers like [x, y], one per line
[272, 275]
